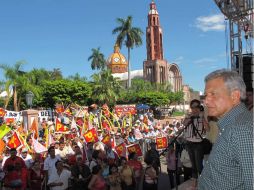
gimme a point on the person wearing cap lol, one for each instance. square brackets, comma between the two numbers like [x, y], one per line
[118, 139]
[100, 136]
[26, 157]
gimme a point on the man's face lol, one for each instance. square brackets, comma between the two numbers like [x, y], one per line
[217, 98]
[61, 146]
[52, 152]
[24, 154]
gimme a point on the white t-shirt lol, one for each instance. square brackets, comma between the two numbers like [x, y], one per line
[62, 153]
[63, 177]
[49, 164]
[28, 160]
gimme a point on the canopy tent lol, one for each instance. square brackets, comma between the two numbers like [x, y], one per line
[142, 106]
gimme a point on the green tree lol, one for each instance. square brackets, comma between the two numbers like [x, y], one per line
[66, 91]
[16, 78]
[130, 36]
[140, 85]
[56, 74]
[179, 97]
[153, 98]
[106, 88]
[37, 76]
[77, 77]
[98, 60]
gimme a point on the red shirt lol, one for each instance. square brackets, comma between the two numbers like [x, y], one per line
[13, 162]
[135, 164]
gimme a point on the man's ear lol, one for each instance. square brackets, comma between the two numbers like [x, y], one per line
[236, 96]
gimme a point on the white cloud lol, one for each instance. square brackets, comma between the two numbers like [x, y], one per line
[204, 61]
[210, 23]
[178, 60]
[208, 63]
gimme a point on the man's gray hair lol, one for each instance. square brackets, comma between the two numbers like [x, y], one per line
[232, 80]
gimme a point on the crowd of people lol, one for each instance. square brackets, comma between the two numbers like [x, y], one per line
[71, 162]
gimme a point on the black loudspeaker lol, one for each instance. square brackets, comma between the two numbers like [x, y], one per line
[247, 69]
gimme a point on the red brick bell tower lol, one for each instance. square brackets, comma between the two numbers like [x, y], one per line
[155, 67]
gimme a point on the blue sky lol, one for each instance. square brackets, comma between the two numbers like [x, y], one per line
[61, 33]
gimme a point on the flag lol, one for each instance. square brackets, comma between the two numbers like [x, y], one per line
[2, 112]
[4, 130]
[135, 148]
[9, 120]
[14, 141]
[50, 140]
[106, 139]
[74, 124]
[34, 129]
[61, 128]
[91, 136]
[121, 150]
[68, 112]
[113, 142]
[161, 142]
[2, 146]
[59, 108]
[38, 147]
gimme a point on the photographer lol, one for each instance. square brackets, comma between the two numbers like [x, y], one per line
[195, 123]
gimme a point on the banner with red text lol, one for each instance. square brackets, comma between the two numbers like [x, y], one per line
[91, 136]
[61, 128]
[106, 139]
[135, 148]
[14, 141]
[161, 142]
[120, 150]
[125, 109]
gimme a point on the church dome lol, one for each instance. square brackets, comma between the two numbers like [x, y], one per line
[117, 62]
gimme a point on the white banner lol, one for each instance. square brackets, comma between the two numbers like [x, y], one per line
[47, 114]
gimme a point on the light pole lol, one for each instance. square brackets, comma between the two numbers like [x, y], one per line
[29, 99]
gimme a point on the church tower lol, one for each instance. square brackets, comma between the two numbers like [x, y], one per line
[156, 69]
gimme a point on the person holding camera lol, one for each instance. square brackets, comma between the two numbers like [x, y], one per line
[195, 125]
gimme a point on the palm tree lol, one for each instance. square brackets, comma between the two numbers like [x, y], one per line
[17, 79]
[129, 35]
[56, 74]
[106, 88]
[98, 61]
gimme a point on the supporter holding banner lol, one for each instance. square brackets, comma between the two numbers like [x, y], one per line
[135, 148]
[120, 150]
[106, 139]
